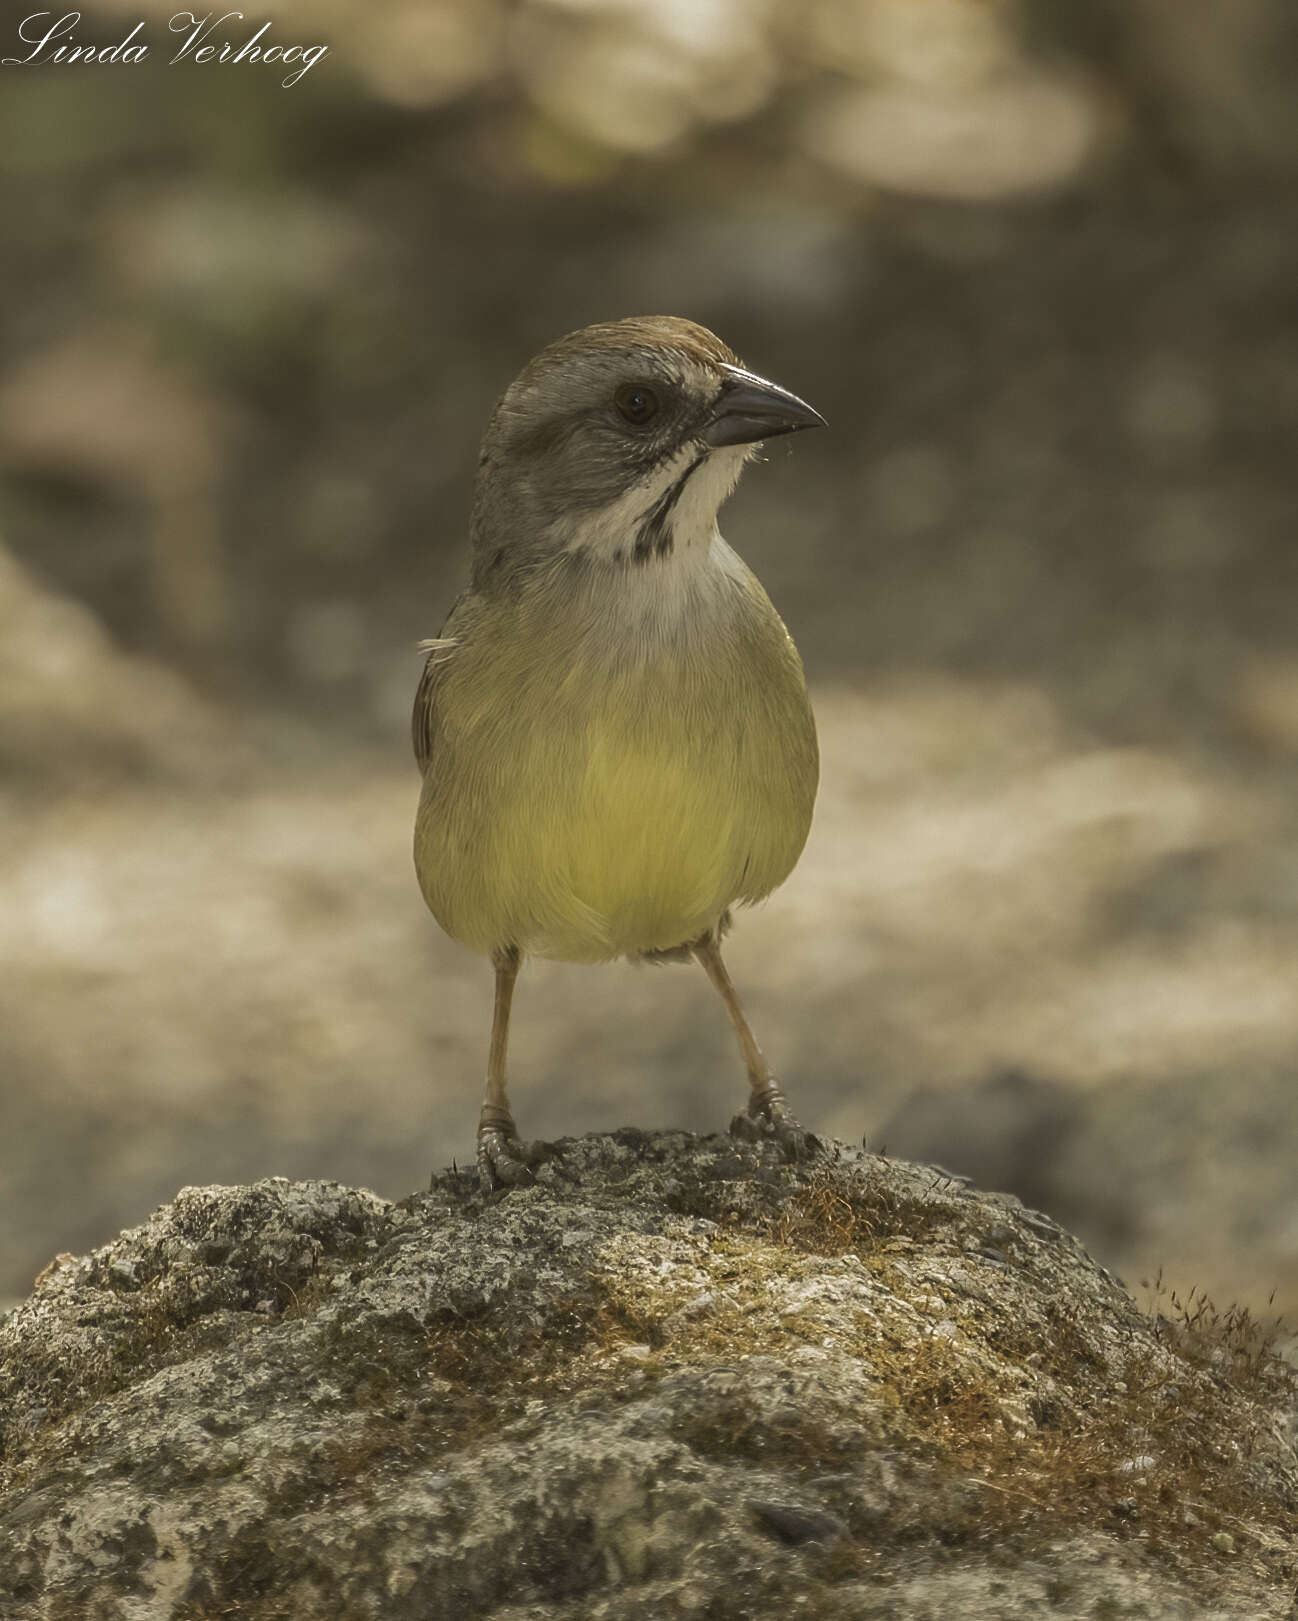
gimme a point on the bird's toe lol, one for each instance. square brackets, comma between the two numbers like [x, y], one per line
[505, 1161]
[502, 1162]
[769, 1119]
[744, 1129]
[795, 1142]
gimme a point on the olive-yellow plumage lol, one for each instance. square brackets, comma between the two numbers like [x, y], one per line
[599, 792]
[613, 726]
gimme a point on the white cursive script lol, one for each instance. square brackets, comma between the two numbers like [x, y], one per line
[124, 51]
[51, 39]
[200, 28]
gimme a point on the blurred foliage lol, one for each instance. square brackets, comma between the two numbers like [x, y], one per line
[254, 331]
[1036, 263]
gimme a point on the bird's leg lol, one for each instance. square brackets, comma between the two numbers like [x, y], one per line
[502, 1158]
[768, 1109]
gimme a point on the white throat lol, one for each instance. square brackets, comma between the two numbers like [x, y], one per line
[669, 520]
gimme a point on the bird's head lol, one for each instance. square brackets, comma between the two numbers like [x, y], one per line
[618, 443]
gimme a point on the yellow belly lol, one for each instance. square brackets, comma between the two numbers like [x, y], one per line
[587, 808]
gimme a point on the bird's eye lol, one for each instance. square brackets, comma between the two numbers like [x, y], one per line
[636, 403]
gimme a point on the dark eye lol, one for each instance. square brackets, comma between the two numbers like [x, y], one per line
[636, 403]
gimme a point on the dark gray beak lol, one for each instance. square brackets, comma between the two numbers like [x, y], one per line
[749, 408]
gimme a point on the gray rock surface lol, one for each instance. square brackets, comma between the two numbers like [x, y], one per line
[675, 1378]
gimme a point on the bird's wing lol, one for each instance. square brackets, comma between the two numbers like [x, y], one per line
[438, 651]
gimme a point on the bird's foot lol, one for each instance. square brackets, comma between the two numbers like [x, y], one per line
[504, 1160]
[770, 1119]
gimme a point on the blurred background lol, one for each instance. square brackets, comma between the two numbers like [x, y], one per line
[1038, 265]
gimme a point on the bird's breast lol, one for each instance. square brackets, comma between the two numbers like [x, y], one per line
[602, 785]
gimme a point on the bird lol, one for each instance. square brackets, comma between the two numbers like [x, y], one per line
[613, 727]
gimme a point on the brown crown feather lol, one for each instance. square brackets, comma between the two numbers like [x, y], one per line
[664, 332]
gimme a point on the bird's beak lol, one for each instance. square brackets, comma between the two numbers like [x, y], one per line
[749, 408]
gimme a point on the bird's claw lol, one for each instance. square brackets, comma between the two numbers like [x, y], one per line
[504, 1160]
[769, 1119]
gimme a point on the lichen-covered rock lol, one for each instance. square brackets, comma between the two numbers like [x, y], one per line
[675, 1378]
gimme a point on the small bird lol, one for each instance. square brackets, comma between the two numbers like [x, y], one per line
[613, 727]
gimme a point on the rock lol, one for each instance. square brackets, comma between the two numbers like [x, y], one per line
[677, 1377]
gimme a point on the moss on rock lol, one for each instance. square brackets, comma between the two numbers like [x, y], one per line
[677, 1377]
